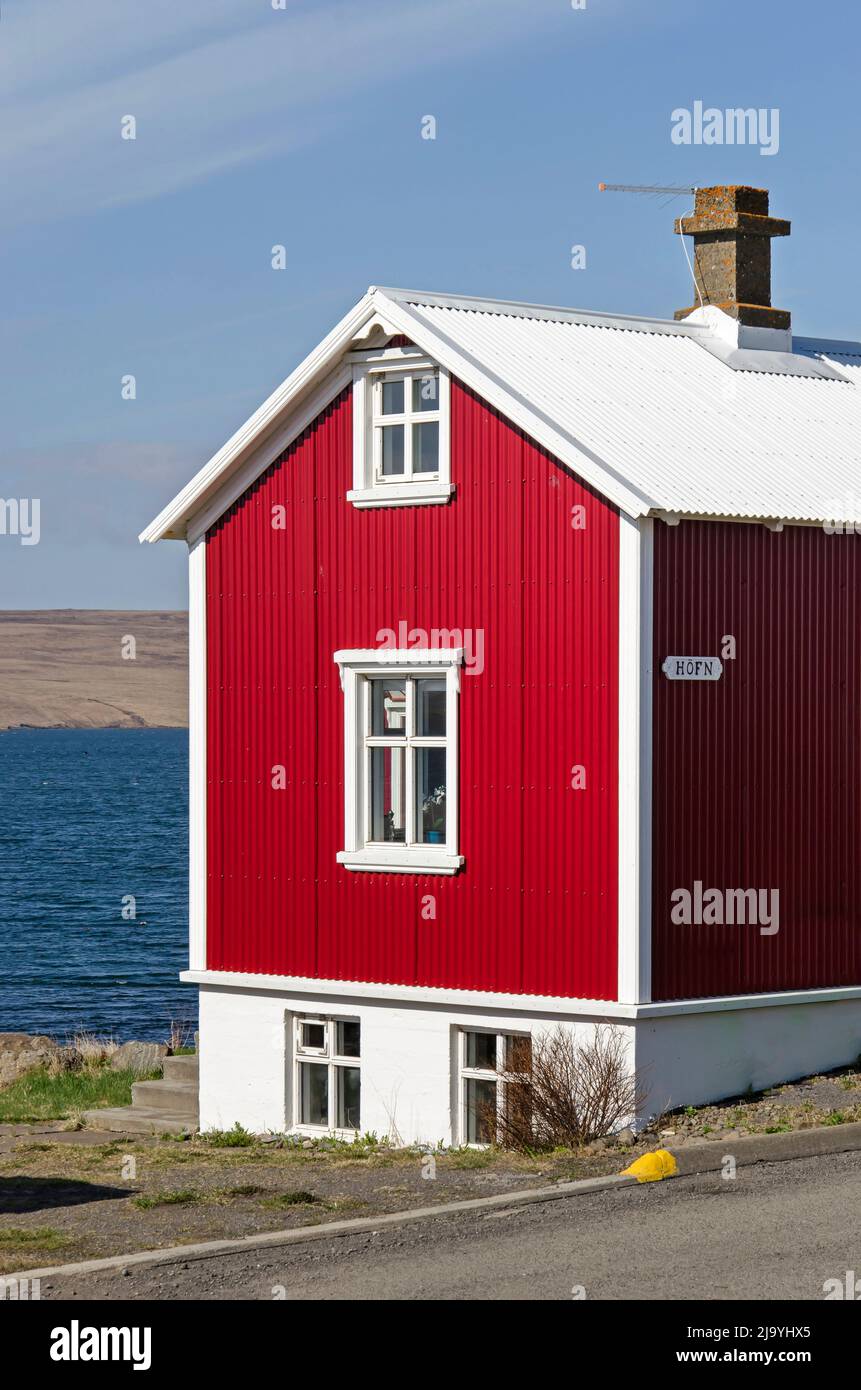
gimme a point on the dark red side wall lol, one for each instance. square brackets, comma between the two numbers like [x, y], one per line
[534, 909]
[757, 777]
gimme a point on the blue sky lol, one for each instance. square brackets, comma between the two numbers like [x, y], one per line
[301, 126]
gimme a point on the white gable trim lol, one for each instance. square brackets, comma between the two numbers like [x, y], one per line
[172, 520]
[259, 441]
[267, 452]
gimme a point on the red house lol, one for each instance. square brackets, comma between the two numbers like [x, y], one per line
[526, 691]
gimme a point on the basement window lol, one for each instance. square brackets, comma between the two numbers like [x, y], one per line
[400, 432]
[400, 760]
[328, 1074]
[488, 1062]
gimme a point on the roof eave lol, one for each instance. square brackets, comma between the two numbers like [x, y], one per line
[172, 520]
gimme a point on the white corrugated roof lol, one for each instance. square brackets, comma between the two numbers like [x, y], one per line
[660, 410]
[659, 416]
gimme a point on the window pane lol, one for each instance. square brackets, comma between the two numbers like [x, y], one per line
[314, 1093]
[480, 1112]
[388, 794]
[430, 708]
[481, 1051]
[393, 397]
[426, 392]
[430, 795]
[388, 707]
[348, 1088]
[348, 1039]
[518, 1055]
[392, 452]
[426, 447]
[313, 1035]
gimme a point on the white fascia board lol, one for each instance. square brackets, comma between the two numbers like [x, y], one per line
[171, 521]
[408, 994]
[539, 427]
[241, 478]
[561, 1007]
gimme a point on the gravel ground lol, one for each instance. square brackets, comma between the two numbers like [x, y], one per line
[70, 1195]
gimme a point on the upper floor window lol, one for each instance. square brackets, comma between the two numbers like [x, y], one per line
[400, 431]
[400, 773]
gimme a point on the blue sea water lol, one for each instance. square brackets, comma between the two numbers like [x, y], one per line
[87, 819]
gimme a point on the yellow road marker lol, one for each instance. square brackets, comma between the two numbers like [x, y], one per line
[652, 1167]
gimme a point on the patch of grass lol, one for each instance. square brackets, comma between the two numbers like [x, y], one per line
[836, 1118]
[777, 1129]
[25, 1238]
[184, 1197]
[299, 1198]
[471, 1158]
[43, 1095]
[235, 1138]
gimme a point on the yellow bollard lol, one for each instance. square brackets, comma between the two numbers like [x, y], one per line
[652, 1167]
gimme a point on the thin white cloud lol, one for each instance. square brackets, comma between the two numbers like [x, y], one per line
[212, 84]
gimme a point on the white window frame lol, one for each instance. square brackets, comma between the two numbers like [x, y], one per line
[370, 488]
[360, 852]
[329, 1057]
[467, 1073]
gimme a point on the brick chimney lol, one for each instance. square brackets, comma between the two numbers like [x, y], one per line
[732, 234]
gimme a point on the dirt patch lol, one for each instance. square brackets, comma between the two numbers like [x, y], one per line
[146, 1194]
[88, 1199]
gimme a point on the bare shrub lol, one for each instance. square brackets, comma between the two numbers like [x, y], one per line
[567, 1093]
[181, 1036]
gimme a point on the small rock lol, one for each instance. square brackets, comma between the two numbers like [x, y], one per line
[139, 1057]
[307, 1143]
[626, 1136]
[21, 1052]
[666, 1133]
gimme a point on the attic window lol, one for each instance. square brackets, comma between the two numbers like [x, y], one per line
[400, 431]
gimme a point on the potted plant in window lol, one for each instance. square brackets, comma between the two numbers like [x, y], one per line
[433, 812]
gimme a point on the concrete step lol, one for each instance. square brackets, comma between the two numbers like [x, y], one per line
[173, 1097]
[183, 1068]
[138, 1120]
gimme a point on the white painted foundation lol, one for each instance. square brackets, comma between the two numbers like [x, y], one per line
[687, 1053]
[409, 1059]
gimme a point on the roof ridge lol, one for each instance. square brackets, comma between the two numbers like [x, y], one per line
[523, 309]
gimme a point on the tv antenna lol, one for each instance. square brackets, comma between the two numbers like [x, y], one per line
[643, 188]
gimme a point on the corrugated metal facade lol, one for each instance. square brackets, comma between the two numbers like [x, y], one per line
[535, 908]
[757, 777]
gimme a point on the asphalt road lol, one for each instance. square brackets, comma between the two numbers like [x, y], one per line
[779, 1230]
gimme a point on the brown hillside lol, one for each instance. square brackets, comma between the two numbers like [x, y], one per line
[65, 668]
